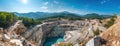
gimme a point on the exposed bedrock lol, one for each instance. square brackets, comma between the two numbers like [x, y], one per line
[39, 32]
[62, 28]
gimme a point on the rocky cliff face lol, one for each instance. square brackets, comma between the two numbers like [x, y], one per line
[84, 29]
[11, 37]
[49, 29]
[111, 35]
[20, 28]
[39, 32]
[17, 28]
[79, 31]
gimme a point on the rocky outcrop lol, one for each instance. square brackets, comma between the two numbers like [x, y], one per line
[39, 32]
[20, 29]
[84, 29]
[11, 38]
[17, 28]
[111, 35]
[60, 29]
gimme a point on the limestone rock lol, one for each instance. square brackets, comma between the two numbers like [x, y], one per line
[39, 32]
[20, 28]
[112, 35]
[12, 37]
[6, 38]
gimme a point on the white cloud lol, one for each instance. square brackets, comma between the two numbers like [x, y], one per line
[44, 9]
[56, 2]
[46, 3]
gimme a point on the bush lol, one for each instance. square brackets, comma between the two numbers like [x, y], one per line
[8, 18]
[110, 22]
[29, 21]
[96, 32]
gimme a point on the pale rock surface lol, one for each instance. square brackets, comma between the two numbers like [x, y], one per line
[112, 35]
[9, 37]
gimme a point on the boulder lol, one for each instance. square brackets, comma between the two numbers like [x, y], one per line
[5, 38]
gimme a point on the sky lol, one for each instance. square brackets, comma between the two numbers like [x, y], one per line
[75, 6]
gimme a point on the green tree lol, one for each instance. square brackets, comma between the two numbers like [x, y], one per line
[7, 18]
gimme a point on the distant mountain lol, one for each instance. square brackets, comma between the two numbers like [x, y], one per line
[96, 16]
[33, 14]
[61, 14]
[41, 14]
[64, 15]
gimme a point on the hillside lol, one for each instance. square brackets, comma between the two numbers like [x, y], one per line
[7, 18]
[63, 14]
[96, 16]
[111, 35]
[33, 14]
[69, 16]
[40, 14]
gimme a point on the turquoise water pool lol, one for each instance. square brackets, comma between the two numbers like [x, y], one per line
[53, 40]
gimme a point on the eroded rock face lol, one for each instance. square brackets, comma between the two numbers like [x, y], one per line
[17, 28]
[59, 28]
[10, 37]
[39, 32]
[112, 35]
[20, 28]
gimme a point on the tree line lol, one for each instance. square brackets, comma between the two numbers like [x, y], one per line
[8, 18]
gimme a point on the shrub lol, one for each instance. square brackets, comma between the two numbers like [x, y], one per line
[96, 32]
[110, 22]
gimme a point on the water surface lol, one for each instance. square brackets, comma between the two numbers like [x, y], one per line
[53, 40]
